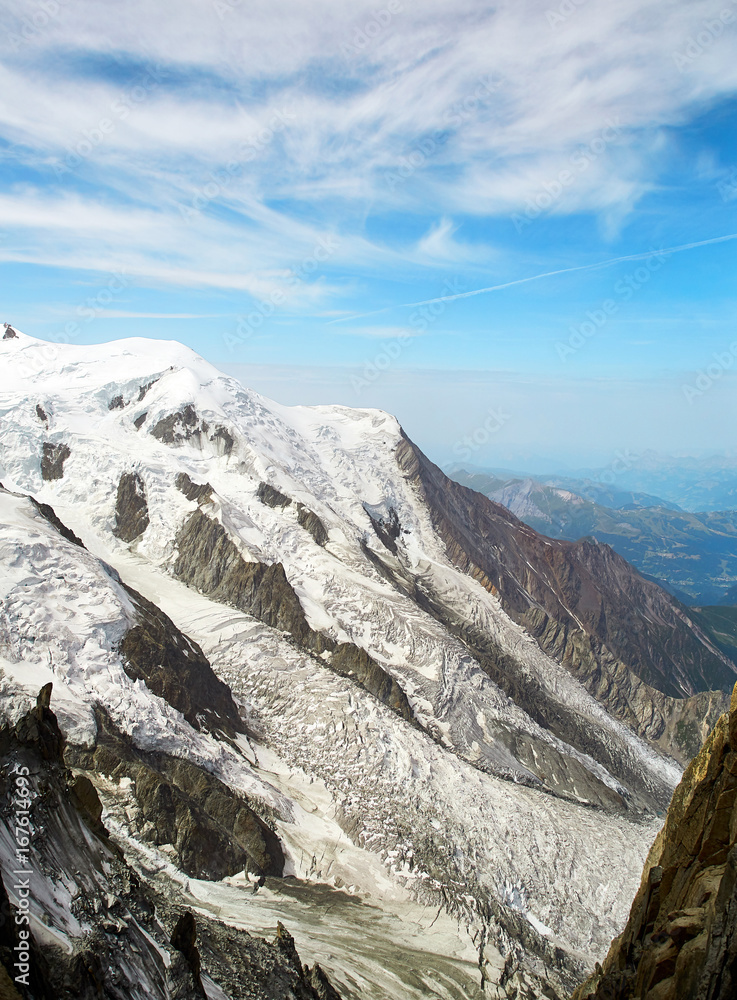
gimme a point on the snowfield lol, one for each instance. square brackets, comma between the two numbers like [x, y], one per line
[440, 818]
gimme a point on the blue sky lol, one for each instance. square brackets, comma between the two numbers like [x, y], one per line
[279, 185]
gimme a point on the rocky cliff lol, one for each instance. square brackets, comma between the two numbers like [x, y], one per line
[681, 936]
[77, 922]
[632, 645]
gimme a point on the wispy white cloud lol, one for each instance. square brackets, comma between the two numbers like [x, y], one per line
[472, 293]
[207, 141]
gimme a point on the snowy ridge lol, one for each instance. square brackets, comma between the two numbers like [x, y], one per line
[401, 811]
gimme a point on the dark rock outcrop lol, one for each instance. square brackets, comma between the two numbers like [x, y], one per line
[178, 427]
[386, 527]
[271, 496]
[84, 796]
[49, 514]
[39, 729]
[140, 420]
[209, 560]
[214, 831]
[42, 414]
[246, 967]
[631, 644]
[125, 952]
[681, 937]
[131, 508]
[223, 438]
[185, 982]
[201, 492]
[176, 669]
[10, 333]
[52, 461]
[350, 661]
[185, 425]
[116, 403]
[312, 523]
[143, 389]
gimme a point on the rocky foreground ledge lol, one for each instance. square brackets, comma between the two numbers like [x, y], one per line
[76, 921]
[681, 937]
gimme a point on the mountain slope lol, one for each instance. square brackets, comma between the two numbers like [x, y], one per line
[695, 553]
[414, 671]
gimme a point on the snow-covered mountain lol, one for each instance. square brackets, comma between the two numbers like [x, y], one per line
[341, 667]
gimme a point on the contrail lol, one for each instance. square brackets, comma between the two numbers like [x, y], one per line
[537, 277]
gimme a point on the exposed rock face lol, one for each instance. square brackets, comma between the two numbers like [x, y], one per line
[50, 514]
[312, 523]
[266, 971]
[143, 389]
[175, 669]
[632, 644]
[210, 561]
[681, 937]
[131, 508]
[52, 462]
[201, 492]
[183, 939]
[178, 427]
[140, 420]
[185, 425]
[116, 403]
[42, 414]
[387, 528]
[224, 439]
[350, 661]
[38, 729]
[271, 496]
[107, 928]
[215, 832]
[10, 333]
[67, 850]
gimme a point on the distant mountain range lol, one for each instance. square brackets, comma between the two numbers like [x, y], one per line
[686, 483]
[694, 555]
